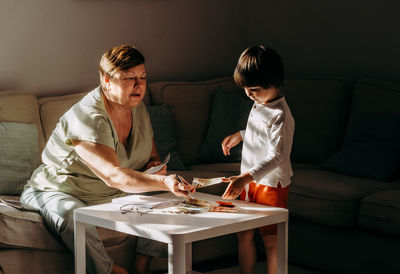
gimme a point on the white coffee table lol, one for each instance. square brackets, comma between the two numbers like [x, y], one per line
[180, 230]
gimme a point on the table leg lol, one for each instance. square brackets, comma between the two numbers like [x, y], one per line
[283, 248]
[177, 257]
[80, 247]
[188, 252]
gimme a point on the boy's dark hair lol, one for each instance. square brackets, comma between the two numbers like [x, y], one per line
[259, 66]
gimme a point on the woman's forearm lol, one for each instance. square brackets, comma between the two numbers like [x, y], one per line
[103, 161]
[132, 181]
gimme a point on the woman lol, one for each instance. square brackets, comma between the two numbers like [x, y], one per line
[96, 153]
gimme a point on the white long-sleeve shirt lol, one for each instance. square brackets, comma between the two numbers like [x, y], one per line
[267, 143]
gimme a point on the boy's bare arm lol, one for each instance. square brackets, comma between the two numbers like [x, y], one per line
[236, 185]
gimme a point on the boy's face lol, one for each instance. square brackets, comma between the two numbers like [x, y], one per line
[262, 95]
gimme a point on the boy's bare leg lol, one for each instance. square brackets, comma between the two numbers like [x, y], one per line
[271, 246]
[142, 264]
[247, 251]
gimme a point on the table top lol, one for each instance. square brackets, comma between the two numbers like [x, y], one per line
[167, 227]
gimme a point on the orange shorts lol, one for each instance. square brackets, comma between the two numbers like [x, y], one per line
[266, 195]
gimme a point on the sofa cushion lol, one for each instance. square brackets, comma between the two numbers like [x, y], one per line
[25, 229]
[21, 108]
[164, 135]
[35, 261]
[327, 197]
[371, 146]
[319, 108]
[52, 108]
[381, 211]
[19, 155]
[229, 114]
[189, 103]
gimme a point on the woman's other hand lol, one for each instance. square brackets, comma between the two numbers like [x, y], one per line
[178, 188]
[230, 142]
[163, 171]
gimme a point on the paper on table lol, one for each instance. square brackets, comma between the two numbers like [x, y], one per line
[223, 209]
[155, 169]
[143, 201]
[199, 182]
[197, 202]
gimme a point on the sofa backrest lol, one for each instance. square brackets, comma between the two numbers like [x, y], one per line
[52, 108]
[21, 139]
[20, 107]
[189, 103]
[319, 107]
[320, 110]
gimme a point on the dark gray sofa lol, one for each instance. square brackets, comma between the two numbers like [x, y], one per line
[344, 204]
[344, 199]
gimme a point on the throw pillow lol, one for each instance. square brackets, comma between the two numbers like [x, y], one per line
[371, 146]
[164, 135]
[229, 114]
[19, 155]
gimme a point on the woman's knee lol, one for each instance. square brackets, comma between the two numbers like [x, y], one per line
[59, 211]
[27, 197]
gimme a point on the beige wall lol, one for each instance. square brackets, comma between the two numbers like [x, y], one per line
[54, 46]
[344, 38]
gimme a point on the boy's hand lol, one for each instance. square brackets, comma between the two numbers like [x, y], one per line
[230, 142]
[236, 185]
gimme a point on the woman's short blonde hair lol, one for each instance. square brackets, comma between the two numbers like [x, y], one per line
[119, 58]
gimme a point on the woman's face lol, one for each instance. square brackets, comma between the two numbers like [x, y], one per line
[127, 88]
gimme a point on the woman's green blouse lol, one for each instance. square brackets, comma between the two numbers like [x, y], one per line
[63, 170]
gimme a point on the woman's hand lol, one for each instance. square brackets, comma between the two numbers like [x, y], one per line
[163, 171]
[230, 142]
[155, 160]
[236, 185]
[178, 188]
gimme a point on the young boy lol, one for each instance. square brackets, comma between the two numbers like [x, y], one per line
[267, 142]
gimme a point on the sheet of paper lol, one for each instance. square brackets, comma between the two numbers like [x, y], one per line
[197, 202]
[155, 169]
[143, 201]
[199, 182]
